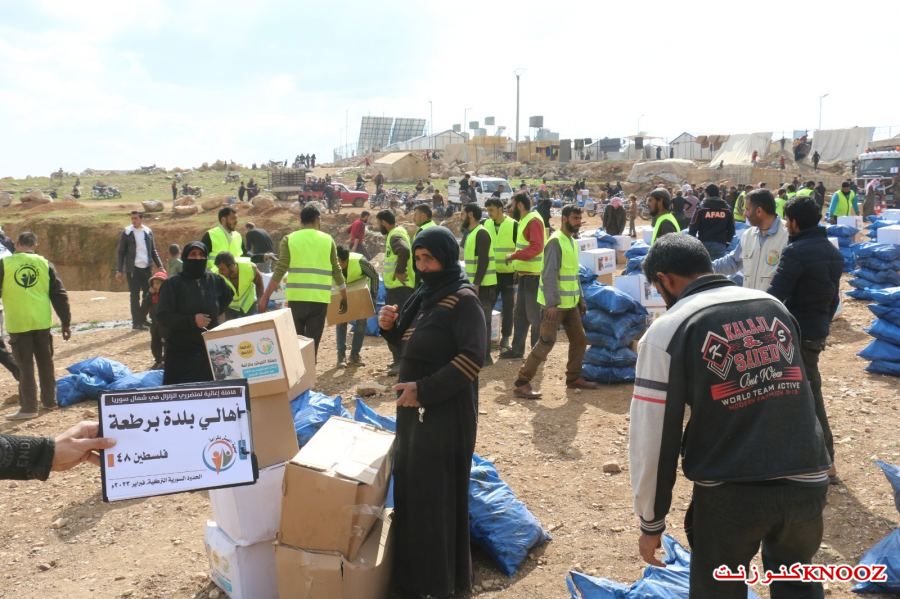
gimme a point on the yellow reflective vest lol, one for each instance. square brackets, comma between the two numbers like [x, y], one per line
[504, 243]
[245, 294]
[536, 264]
[390, 261]
[26, 293]
[490, 276]
[309, 273]
[569, 287]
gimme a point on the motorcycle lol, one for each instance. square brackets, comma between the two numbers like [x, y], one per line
[105, 192]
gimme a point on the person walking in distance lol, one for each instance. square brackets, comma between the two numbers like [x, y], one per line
[503, 234]
[355, 267]
[136, 253]
[174, 190]
[309, 258]
[357, 231]
[225, 238]
[528, 260]
[664, 222]
[478, 253]
[752, 448]
[808, 281]
[242, 190]
[632, 215]
[30, 289]
[614, 216]
[560, 298]
[399, 279]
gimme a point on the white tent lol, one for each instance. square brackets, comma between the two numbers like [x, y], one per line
[841, 144]
[687, 147]
[738, 149]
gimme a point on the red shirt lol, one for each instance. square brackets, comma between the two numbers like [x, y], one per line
[358, 230]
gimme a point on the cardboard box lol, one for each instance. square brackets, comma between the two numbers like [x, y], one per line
[307, 348]
[496, 321]
[242, 572]
[623, 242]
[601, 261]
[606, 279]
[246, 514]
[645, 232]
[621, 260]
[280, 294]
[889, 234]
[890, 214]
[261, 348]
[586, 243]
[640, 289]
[835, 242]
[274, 436]
[334, 488]
[851, 221]
[309, 575]
[359, 304]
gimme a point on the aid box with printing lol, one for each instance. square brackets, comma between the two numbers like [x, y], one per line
[586, 243]
[242, 572]
[261, 348]
[249, 514]
[645, 232]
[601, 261]
[279, 295]
[623, 242]
[851, 221]
[334, 489]
[496, 321]
[640, 289]
[889, 234]
[306, 574]
[359, 304]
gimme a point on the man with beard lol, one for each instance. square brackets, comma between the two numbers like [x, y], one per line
[664, 222]
[503, 233]
[399, 279]
[559, 295]
[190, 303]
[480, 270]
[224, 237]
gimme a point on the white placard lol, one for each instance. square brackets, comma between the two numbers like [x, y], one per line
[252, 355]
[175, 439]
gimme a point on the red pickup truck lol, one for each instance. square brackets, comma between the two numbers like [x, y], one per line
[348, 197]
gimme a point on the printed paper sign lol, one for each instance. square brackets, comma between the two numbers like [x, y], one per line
[253, 356]
[175, 439]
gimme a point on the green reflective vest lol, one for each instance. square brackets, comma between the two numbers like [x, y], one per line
[504, 244]
[659, 221]
[490, 276]
[569, 287]
[354, 270]
[245, 294]
[738, 211]
[390, 261]
[805, 192]
[844, 204]
[26, 293]
[425, 225]
[536, 264]
[222, 243]
[779, 206]
[309, 274]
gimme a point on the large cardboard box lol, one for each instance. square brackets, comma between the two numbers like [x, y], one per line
[359, 304]
[889, 234]
[248, 514]
[640, 289]
[242, 572]
[890, 214]
[645, 232]
[309, 575]
[623, 242]
[586, 243]
[261, 348]
[307, 348]
[334, 488]
[851, 221]
[601, 261]
[274, 436]
[279, 297]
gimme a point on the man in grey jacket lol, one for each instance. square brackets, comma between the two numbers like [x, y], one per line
[136, 252]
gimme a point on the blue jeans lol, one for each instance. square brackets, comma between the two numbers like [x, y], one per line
[359, 335]
[716, 250]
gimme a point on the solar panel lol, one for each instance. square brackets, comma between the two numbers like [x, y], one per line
[375, 133]
[405, 129]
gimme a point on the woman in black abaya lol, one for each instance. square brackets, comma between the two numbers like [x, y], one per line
[440, 331]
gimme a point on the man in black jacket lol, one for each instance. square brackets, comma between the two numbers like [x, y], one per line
[753, 445]
[28, 458]
[713, 223]
[808, 281]
[135, 254]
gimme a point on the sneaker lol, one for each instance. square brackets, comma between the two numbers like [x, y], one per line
[138, 327]
[511, 355]
[342, 363]
[20, 415]
[356, 361]
[504, 344]
[48, 408]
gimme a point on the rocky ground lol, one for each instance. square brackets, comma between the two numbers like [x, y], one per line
[60, 539]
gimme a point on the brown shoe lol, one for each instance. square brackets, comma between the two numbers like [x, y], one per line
[526, 392]
[580, 383]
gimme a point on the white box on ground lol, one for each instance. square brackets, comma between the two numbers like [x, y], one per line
[586, 243]
[623, 242]
[835, 242]
[278, 296]
[851, 221]
[640, 289]
[889, 234]
[645, 232]
[242, 572]
[247, 514]
[890, 214]
[496, 318]
[601, 261]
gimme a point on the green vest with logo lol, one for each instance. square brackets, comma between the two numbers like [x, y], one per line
[569, 287]
[490, 276]
[659, 221]
[504, 243]
[26, 293]
[245, 294]
[222, 242]
[532, 265]
[390, 261]
[309, 274]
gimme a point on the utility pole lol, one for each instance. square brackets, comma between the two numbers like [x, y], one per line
[430, 126]
[516, 142]
[822, 97]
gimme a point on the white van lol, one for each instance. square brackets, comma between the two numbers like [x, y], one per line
[484, 189]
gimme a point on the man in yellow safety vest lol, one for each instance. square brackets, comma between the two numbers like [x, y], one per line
[355, 267]
[664, 222]
[559, 295]
[246, 282]
[843, 203]
[309, 258]
[422, 217]
[399, 279]
[503, 231]
[478, 252]
[31, 290]
[225, 238]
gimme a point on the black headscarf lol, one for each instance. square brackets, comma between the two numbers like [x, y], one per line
[435, 285]
[191, 269]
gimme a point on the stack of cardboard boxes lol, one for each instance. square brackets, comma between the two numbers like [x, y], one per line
[334, 536]
[278, 366]
[639, 288]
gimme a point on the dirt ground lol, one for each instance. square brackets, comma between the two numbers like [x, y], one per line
[59, 539]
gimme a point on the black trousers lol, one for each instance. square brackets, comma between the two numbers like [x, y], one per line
[810, 350]
[488, 297]
[397, 296]
[506, 291]
[726, 525]
[309, 320]
[139, 288]
[6, 358]
[156, 341]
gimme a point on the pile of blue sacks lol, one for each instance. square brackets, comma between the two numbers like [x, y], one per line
[884, 352]
[605, 240]
[845, 236]
[372, 329]
[878, 268]
[612, 321]
[875, 223]
[887, 551]
[89, 378]
[635, 256]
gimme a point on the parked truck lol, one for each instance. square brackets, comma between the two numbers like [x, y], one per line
[884, 166]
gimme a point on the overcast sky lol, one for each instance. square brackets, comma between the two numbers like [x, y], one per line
[113, 84]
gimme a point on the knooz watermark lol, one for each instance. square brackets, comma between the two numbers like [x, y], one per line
[803, 573]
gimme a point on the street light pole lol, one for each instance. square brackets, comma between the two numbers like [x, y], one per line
[516, 143]
[822, 97]
[430, 125]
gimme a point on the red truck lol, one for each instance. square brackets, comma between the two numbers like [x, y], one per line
[348, 197]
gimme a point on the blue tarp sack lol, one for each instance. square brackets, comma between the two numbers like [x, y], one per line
[498, 522]
[634, 266]
[382, 291]
[849, 258]
[596, 339]
[311, 410]
[372, 329]
[141, 380]
[671, 582]
[841, 231]
[585, 276]
[884, 330]
[605, 240]
[883, 251]
[611, 300]
[879, 276]
[884, 367]
[860, 294]
[878, 264]
[861, 283]
[367, 415]
[67, 392]
[102, 368]
[607, 375]
[887, 551]
[892, 472]
[881, 350]
[621, 326]
[622, 356]
[638, 248]
[889, 313]
[887, 297]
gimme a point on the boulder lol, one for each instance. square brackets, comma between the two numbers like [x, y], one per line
[152, 206]
[263, 202]
[186, 210]
[214, 202]
[185, 201]
[36, 197]
[5, 199]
